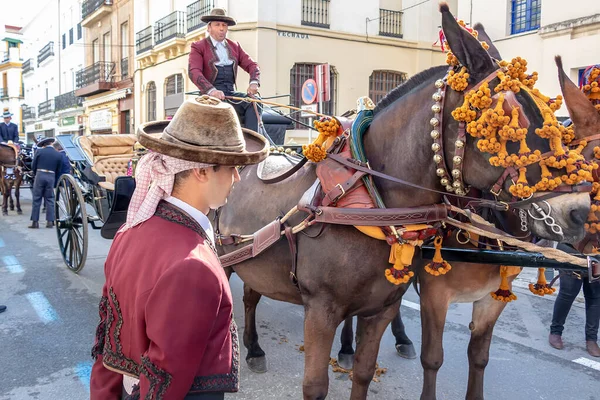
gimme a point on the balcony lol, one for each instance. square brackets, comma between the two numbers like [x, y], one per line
[93, 10]
[27, 66]
[96, 78]
[170, 27]
[3, 93]
[67, 100]
[45, 53]
[143, 40]
[124, 68]
[197, 10]
[4, 57]
[315, 13]
[390, 23]
[46, 107]
[28, 113]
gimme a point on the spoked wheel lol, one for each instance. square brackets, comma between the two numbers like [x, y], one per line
[71, 223]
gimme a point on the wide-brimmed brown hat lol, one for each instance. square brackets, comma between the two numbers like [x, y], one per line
[218, 14]
[205, 130]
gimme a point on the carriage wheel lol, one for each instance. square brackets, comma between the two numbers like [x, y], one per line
[71, 223]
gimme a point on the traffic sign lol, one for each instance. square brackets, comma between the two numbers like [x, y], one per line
[309, 91]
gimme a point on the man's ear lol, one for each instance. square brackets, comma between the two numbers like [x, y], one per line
[201, 174]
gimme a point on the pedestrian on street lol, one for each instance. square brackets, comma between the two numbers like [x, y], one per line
[47, 163]
[9, 131]
[66, 164]
[213, 64]
[166, 322]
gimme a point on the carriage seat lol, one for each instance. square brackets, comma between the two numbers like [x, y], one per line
[110, 155]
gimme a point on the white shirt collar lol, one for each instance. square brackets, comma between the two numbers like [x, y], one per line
[215, 42]
[196, 214]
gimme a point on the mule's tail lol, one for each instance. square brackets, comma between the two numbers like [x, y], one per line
[415, 282]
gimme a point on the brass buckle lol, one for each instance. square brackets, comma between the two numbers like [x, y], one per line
[496, 193]
[341, 194]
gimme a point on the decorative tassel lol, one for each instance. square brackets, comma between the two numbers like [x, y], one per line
[503, 293]
[541, 287]
[401, 255]
[438, 266]
[317, 151]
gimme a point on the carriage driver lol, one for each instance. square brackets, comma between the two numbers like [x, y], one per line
[166, 326]
[213, 64]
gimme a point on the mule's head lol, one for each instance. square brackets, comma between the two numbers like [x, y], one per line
[513, 133]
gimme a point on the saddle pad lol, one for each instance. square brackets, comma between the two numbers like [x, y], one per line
[331, 173]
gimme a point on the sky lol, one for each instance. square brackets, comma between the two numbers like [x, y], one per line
[22, 12]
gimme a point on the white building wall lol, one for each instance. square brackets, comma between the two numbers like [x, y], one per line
[72, 57]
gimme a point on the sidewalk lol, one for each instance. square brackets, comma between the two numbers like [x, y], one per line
[529, 275]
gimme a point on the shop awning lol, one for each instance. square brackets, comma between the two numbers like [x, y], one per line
[117, 95]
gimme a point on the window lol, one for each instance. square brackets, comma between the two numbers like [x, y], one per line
[315, 13]
[382, 82]
[107, 47]
[174, 85]
[151, 97]
[298, 75]
[71, 36]
[124, 39]
[96, 52]
[525, 15]
[79, 33]
[64, 41]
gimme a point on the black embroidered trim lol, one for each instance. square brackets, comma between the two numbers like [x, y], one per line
[117, 332]
[101, 329]
[222, 382]
[171, 213]
[157, 377]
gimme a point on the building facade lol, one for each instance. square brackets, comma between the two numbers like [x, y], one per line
[106, 80]
[370, 46]
[537, 31]
[11, 89]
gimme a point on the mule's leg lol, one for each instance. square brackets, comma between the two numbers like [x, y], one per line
[256, 359]
[368, 337]
[485, 314]
[320, 323]
[404, 346]
[18, 194]
[434, 307]
[10, 197]
[346, 353]
[4, 199]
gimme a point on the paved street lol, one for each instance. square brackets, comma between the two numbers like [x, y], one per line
[47, 332]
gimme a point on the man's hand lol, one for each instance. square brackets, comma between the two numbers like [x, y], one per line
[252, 89]
[218, 94]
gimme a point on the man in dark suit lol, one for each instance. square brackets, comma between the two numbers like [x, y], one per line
[9, 131]
[47, 164]
[213, 65]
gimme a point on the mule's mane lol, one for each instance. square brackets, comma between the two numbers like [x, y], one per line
[408, 86]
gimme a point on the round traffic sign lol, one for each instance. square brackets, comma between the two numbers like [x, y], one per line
[309, 91]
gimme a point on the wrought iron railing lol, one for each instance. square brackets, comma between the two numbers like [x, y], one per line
[195, 11]
[3, 93]
[67, 100]
[46, 52]
[89, 6]
[124, 68]
[27, 66]
[46, 107]
[143, 40]
[97, 72]
[390, 23]
[315, 13]
[28, 113]
[169, 27]
[5, 57]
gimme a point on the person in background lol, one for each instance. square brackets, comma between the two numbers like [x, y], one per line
[9, 131]
[66, 163]
[47, 163]
[213, 64]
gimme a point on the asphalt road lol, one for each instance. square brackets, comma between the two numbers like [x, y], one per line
[47, 333]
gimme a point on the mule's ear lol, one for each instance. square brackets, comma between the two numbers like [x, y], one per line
[483, 37]
[584, 115]
[465, 47]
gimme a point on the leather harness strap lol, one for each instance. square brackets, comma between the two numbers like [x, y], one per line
[286, 174]
[292, 241]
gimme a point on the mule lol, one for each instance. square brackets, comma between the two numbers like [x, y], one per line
[341, 274]
[8, 181]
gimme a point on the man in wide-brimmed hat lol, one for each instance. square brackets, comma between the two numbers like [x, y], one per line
[213, 65]
[9, 131]
[46, 166]
[166, 329]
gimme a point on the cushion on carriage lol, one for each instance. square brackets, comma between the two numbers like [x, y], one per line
[96, 146]
[111, 168]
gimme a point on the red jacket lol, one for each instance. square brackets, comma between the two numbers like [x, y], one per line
[165, 313]
[203, 56]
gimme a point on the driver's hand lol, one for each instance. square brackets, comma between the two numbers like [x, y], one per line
[253, 89]
[218, 94]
